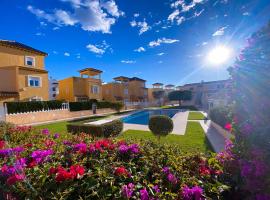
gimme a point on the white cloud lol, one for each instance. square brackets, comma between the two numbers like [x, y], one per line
[128, 61]
[220, 31]
[89, 15]
[136, 15]
[43, 24]
[56, 28]
[180, 20]
[246, 14]
[55, 52]
[95, 49]
[186, 7]
[204, 43]
[40, 34]
[112, 8]
[160, 62]
[142, 25]
[78, 55]
[140, 49]
[66, 54]
[173, 15]
[98, 49]
[160, 54]
[162, 41]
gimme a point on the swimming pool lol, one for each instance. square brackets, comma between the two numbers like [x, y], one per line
[142, 117]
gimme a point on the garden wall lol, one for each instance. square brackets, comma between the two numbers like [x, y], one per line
[52, 115]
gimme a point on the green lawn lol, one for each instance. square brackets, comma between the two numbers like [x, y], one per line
[61, 127]
[193, 108]
[196, 116]
[193, 140]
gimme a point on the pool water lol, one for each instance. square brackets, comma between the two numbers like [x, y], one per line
[143, 117]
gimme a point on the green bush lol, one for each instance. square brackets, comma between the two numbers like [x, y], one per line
[221, 115]
[21, 107]
[109, 129]
[5, 127]
[160, 125]
[77, 106]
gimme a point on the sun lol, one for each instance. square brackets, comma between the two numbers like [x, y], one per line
[219, 55]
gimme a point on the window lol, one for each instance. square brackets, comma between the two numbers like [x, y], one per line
[30, 61]
[95, 89]
[54, 95]
[53, 89]
[34, 81]
[126, 91]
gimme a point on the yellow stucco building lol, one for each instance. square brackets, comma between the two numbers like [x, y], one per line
[83, 88]
[22, 73]
[125, 89]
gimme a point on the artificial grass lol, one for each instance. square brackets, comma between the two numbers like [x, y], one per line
[196, 116]
[194, 139]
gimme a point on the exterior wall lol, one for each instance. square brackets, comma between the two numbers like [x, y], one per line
[15, 57]
[137, 91]
[115, 91]
[8, 82]
[89, 82]
[27, 92]
[15, 79]
[152, 100]
[47, 116]
[71, 87]
[66, 91]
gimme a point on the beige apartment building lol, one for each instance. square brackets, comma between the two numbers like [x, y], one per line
[210, 94]
[125, 89]
[22, 73]
[87, 86]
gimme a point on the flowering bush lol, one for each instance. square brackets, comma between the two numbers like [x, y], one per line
[250, 125]
[44, 165]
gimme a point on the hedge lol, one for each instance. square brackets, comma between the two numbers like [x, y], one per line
[21, 107]
[109, 129]
[77, 106]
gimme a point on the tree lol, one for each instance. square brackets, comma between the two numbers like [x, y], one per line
[159, 94]
[178, 95]
[160, 125]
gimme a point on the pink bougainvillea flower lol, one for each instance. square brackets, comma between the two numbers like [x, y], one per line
[121, 171]
[15, 178]
[2, 144]
[228, 127]
[144, 194]
[194, 193]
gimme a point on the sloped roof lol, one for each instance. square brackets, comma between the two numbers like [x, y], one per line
[18, 45]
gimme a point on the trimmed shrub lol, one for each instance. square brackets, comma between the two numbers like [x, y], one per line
[21, 107]
[4, 127]
[221, 115]
[160, 125]
[77, 106]
[109, 129]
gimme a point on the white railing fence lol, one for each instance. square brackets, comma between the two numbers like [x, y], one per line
[64, 106]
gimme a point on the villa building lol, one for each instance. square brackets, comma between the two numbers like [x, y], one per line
[53, 88]
[87, 86]
[125, 89]
[206, 95]
[155, 87]
[22, 73]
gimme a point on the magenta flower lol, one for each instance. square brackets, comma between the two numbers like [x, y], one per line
[41, 155]
[156, 189]
[11, 151]
[56, 135]
[172, 179]
[128, 150]
[144, 194]
[127, 190]
[194, 193]
[45, 131]
[166, 170]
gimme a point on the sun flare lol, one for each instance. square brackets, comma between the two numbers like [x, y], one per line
[219, 55]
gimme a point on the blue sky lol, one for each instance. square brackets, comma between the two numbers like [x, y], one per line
[158, 40]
